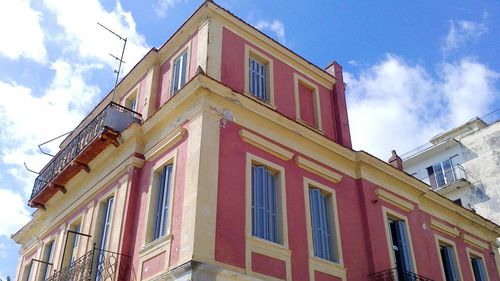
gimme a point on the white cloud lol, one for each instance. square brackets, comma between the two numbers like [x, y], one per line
[21, 32]
[462, 32]
[162, 6]
[13, 214]
[397, 105]
[81, 33]
[28, 120]
[275, 26]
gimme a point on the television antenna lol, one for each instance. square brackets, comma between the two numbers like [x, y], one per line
[120, 60]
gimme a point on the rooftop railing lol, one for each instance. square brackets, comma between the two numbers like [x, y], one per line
[111, 121]
[396, 274]
[443, 178]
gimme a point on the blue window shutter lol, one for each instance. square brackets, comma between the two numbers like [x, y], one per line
[404, 245]
[258, 208]
[183, 69]
[449, 265]
[265, 212]
[321, 224]
[272, 210]
[159, 205]
[167, 170]
[478, 268]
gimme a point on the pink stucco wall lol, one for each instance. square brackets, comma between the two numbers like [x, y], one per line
[362, 227]
[233, 75]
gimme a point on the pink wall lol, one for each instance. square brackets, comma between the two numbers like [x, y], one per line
[362, 227]
[307, 112]
[233, 75]
[165, 75]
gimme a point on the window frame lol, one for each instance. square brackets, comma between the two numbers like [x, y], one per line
[252, 160]
[44, 271]
[184, 50]
[335, 268]
[69, 252]
[251, 52]
[297, 80]
[169, 159]
[389, 214]
[442, 241]
[474, 254]
[133, 96]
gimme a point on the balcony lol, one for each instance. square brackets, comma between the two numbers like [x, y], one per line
[444, 180]
[96, 265]
[396, 274]
[101, 131]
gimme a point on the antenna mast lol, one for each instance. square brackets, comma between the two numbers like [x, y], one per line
[120, 60]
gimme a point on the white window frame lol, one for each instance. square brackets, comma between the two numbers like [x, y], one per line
[175, 88]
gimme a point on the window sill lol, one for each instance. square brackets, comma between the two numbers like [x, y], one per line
[316, 129]
[268, 246]
[265, 103]
[326, 266]
[155, 245]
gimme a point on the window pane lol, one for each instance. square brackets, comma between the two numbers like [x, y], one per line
[432, 177]
[401, 246]
[448, 171]
[448, 261]
[478, 268]
[265, 212]
[162, 202]
[438, 172]
[257, 77]
[321, 224]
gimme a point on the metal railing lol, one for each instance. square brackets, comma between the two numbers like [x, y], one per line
[443, 178]
[396, 274]
[114, 117]
[96, 265]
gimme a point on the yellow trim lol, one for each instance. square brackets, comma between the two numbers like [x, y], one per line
[475, 242]
[439, 240]
[439, 226]
[318, 264]
[255, 244]
[474, 254]
[391, 214]
[317, 169]
[394, 200]
[265, 145]
[214, 52]
[297, 80]
[171, 140]
[153, 249]
[252, 52]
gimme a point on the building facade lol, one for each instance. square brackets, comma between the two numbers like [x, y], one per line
[462, 164]
[223, 155]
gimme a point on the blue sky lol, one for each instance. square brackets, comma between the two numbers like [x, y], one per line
[413, 69]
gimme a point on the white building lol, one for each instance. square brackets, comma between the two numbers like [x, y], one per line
[462, 164]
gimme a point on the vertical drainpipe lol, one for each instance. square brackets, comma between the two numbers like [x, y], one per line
[339, 106]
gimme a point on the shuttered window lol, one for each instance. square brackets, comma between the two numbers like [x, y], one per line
[478, 268]
[321, 224]
[179, 73]
[449, 263]
[47, 257]
[401, 245]
[162, 202]
[265, 218]
[257, 81]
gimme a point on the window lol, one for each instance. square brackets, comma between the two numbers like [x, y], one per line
[27, 271]
[71, 251]
[131, 103]
[441, 174]
[48, 252]
[478, 268]
[259, 75]
[400, 245]
[257, 72]
[265, 204]
[449, 262]
[323, 234]
[103, 235]
[162, 201]
[179, 72]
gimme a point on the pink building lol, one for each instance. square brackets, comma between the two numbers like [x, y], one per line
[226, 156]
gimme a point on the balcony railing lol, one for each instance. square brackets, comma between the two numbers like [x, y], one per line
[105, 127]
[446, 177]
[96, 265]
[396, 274]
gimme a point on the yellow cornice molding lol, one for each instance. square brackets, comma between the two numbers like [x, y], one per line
[394, 200]
[265, 145]
[172, 139]
[475, 242]
[317, 169]
[439, 226]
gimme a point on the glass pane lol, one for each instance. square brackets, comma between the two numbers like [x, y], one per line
[438, 172]
[448, 172]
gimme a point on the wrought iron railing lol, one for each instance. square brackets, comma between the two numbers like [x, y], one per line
[96, 265]
[113, 116]
[396, 274]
